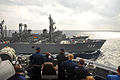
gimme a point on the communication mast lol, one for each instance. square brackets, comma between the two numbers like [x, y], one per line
[1, 29]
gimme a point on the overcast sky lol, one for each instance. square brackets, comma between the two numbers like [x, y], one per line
[67, 14]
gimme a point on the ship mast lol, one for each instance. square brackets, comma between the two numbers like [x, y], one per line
[51, 29]
[1, 27]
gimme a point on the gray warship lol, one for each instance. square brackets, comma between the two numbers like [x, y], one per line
[24, 42]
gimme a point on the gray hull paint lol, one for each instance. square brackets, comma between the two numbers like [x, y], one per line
[55, 48]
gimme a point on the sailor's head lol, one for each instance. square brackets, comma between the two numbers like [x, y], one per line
[118, 70]
[18, 68]
[62, 51]
[70, 56]
[81, 62]
[90, 78]
[38, 49]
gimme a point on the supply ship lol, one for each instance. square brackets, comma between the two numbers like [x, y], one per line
[26, 42]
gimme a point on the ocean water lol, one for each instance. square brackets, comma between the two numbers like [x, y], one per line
[110, 50]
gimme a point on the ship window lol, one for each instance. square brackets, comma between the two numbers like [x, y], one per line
[88, 46]
[91, 46]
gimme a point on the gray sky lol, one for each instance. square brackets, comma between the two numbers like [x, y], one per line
[68, 14]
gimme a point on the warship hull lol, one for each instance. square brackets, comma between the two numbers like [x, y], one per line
[55, 48]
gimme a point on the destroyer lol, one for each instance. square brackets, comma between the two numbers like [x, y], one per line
[25, 42]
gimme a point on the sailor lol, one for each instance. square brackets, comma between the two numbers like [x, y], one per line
[61, 58]
[48, 57]
[68, 66]
[36, 60]
[19, 73]
[114, 77]
[81, 71]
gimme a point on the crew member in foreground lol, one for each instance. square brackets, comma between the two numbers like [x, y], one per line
[61, 58]
[36, 60]
[68, 67]
[114, 77]
[81, 71]
[19, 73]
